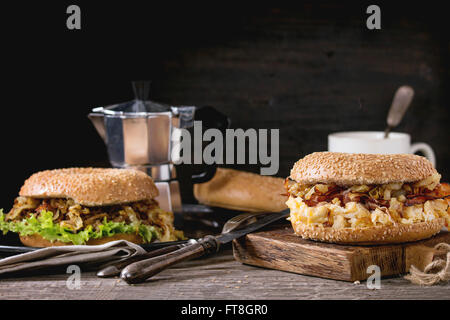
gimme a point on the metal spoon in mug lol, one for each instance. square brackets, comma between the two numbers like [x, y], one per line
[402, 99]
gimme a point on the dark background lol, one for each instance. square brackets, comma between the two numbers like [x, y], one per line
[308, 69]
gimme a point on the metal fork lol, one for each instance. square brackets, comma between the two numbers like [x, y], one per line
[240, 220]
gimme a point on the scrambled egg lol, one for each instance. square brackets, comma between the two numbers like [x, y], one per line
[355, 214]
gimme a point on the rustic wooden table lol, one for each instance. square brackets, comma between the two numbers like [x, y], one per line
[217, 277]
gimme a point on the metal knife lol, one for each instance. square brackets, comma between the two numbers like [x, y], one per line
[140, 271]
[114, 269]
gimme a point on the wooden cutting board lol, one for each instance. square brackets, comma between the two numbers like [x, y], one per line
[279, 248]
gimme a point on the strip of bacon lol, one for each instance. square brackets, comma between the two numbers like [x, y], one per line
[442, 191]
[413, 199]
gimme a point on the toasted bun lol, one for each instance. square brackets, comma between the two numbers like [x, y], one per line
[355, 169]
[240, 190]
[373, 235]
[91, 186]
[39, 242]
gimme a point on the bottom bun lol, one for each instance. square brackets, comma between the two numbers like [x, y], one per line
[38, 242]
[372, 235]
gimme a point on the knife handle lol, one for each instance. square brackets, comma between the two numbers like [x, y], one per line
[114, 269]
[140, 271]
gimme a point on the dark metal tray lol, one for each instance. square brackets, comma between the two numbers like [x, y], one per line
[9, 248]
[197, 221]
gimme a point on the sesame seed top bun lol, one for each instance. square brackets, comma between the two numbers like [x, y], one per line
[357, 168]
[91, 186]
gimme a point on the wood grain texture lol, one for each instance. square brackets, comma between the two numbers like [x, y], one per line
[316, 69]
[309, 69]
[217, 277]
[279, 248]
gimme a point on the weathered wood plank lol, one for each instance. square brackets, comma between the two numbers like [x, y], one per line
[217, 277]
[279, 248]
[308, 70]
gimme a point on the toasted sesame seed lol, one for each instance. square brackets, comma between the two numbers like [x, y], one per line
[351, 169]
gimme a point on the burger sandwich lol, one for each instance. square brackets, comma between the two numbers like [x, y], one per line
[366, 198]
[88, 206]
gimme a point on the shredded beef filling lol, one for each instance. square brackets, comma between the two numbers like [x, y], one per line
[76, 217]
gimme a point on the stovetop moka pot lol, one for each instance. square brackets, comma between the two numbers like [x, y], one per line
[139, 134]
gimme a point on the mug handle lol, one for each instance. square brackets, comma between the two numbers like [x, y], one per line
[208, 174]
[426, 150]
[212, 118]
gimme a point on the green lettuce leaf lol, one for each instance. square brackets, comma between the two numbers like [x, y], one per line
[44, 226]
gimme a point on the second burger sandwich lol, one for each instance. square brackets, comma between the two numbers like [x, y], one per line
[366, 198]
[88, 206]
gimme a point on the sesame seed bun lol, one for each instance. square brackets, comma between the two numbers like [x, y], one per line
[91, 186]
[240, 190]
[348, 169]
[38, 242]
[373, 235]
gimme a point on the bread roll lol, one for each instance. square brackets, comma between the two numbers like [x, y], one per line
[240, 190]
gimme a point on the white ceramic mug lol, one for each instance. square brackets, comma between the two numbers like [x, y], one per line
[374, 142]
